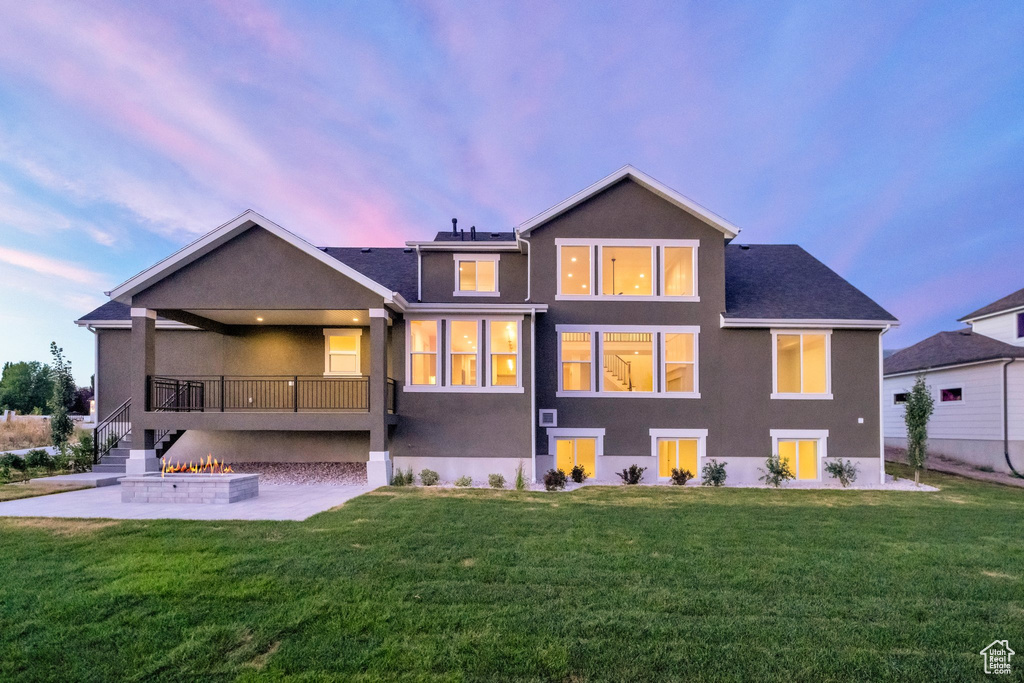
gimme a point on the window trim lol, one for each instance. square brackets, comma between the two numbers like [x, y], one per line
[409, 386]
[460, 257]
[828, 395]
[596, 354]
[819, 435]
[963, 396]
[555, 433]
[701, 435]
[657, 265]
[443, 369]
[356, 332]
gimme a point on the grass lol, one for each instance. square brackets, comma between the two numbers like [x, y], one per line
[607, 583]
[30, 432]
[26, 490]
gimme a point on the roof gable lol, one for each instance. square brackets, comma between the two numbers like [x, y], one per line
[945, 349]
[665, 192]
[1007, 303]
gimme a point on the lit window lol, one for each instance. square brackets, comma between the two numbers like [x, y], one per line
[952, 395]
[575, 269]
[462, 343]
[476, 275]
[678, 269]
[628, 361]
[504, 342]
[570, 453]
[576, 360]
[679, 362]
[423, 352]
[627, 271]
[801, 455]
[678, 454]
[341, 350]
[801, 363]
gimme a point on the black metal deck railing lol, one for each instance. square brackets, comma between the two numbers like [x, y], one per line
[279, 393]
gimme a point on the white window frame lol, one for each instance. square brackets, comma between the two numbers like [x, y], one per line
[449, 365]
[555, 433]
[701, 435]
[486, 381]
[819, 435]
[776, 394]
[439, 353]
[463, 257]
[963, 396]
[356, 332]
[597, 360]
[906, 392]
[657, 266]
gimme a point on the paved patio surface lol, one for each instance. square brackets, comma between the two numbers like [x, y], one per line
[275, 502]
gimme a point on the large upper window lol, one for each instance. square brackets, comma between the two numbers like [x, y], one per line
[422, 345]
[652, 269]
[478, 354]
[476, 275]
[341, 351]
[619, 360]
[802, 364]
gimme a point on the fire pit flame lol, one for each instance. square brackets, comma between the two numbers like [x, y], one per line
[211, 466]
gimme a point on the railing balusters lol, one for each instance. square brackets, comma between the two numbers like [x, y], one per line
[264, 394]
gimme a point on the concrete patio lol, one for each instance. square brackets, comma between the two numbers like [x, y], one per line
[275, 502]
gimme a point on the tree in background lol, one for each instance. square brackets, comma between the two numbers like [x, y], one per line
[62, 399]
[25, 387]
[919, 407]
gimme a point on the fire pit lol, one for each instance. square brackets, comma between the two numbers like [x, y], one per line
[202, 482]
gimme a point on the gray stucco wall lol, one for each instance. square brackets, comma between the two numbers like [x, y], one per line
[439, 278]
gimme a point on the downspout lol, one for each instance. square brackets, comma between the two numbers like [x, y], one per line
[533, 395]
[96, 372]
[1006, 420]
[529, 258]
[419, 275]
[881, 406]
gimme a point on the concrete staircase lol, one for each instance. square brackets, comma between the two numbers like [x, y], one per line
[114, 460]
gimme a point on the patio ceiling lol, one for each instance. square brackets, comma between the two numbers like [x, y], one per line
[317, 318]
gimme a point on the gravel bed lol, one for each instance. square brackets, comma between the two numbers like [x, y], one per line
[352, 473]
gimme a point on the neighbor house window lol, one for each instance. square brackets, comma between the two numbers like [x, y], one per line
[341, 352]
[576, 361]
[952, 395]
[680, 362]
[476, 275]
[463, 345]
[1020, 326]
[423, 352]
[802, 450]
[801, 364]
[628, 361]
[647, 269]
[504, 345]
[899, 398]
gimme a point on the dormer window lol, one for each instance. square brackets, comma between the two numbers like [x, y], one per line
[643, 270]
[476, 274]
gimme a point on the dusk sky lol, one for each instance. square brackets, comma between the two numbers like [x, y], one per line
[885, 138]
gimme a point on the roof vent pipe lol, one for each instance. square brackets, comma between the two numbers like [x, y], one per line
[455, 228]
[472, 233]
[462, 235]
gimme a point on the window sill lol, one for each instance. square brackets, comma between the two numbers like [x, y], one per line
[344, 374]
[608, 297]
[421, 388]
[803, 397]
[623, 394]
[490, 294]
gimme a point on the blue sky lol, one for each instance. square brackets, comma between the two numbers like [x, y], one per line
[886, 138]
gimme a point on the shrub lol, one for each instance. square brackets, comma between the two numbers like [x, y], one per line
[464, 481]
[429, 477]
[497, 481]
[632, 474]
[845, 472]
[554, 480]
[62, 461]
[578, 474]
[12, 461]
[62, 399]
[680, 477]
[81, 454]
[401, 478]
[520, 477]
[713, 473]
[778, 471]
[38, 458]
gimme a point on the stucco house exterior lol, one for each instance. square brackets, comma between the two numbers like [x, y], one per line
[976, 376]
[623, 325]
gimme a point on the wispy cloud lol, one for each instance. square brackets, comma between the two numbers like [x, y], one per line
[51, 267]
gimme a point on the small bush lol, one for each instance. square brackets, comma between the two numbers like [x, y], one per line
[38, 458]
[554, 480]
[401, 478]
[62, 461]
[12, 461]
[578, 474]
[464, 481]
[778, 471]
[497, 481]
[632, 474]
[680, 477]
[520, 477]
[713, 473]
[429, 477]
[845, 472]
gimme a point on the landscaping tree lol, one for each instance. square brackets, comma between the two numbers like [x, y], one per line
[62, 399]
[25, 386]
[919, 407]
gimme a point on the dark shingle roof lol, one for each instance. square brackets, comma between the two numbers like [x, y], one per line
[481, 236]
[950, 348]
[112, 310]
[392, 267]
[782, 281]
[1015, 300]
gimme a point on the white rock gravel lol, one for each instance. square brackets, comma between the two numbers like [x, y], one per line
[305, 472]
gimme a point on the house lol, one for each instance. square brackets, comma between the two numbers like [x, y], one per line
[623, 325]
[976, 376]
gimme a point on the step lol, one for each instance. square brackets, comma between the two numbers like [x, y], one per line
[114, 459]
[101, 468]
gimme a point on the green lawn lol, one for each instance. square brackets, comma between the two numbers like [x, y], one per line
[601, 583]
[28, 490]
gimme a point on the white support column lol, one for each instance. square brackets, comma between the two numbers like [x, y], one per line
[378, 469]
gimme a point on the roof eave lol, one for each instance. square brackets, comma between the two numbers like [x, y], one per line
[949, 366]
[824, 323]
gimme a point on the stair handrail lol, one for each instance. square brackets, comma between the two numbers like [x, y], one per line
[110, 430]
[621, 369]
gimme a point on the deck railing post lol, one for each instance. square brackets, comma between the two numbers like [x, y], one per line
[296, 394]
[222, 393]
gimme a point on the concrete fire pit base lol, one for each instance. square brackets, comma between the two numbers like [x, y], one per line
[189, 488]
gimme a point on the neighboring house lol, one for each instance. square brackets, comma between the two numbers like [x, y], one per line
[976, 376]
[620, 326]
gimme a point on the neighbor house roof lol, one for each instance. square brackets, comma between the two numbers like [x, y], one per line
[782, 282]
[945, 349]
[1007, 303]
